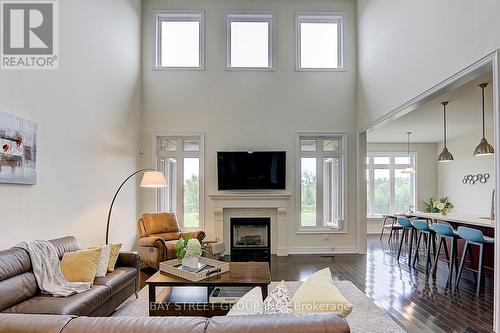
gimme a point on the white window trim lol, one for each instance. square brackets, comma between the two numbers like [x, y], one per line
[177, 15]
[201, 155]
[391, 167]
[250, 16]
[342, 228]
[320, 17]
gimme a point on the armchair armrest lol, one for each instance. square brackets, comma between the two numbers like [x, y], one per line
[128, 259]
[151, 241]
[200, 235]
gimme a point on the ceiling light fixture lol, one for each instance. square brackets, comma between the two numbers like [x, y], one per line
[408, 169]
[445, 155]
[483, 148]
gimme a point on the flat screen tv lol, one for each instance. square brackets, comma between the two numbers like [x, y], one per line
[259, 170]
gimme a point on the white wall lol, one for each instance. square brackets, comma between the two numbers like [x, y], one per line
[89, 121]
[468, 199]
[427, 172]
[406, 47]
[253, 109]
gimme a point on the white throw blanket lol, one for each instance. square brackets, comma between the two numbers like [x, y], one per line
[47, 270]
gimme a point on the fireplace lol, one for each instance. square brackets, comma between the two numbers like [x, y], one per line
[250, 238]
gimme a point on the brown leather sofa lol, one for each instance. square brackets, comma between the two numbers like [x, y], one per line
[19, 292]
[158, 234]
[281, 323]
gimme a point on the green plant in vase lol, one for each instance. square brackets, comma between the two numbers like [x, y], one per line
[441, 206]
[188, 251]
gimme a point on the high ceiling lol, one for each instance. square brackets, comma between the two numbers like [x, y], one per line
[426, 122]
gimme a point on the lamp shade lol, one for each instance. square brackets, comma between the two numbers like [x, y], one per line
[484, 148]
[445, 156]
[153, 179]
[408, 170]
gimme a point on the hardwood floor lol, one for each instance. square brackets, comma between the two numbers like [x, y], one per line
[418, 304]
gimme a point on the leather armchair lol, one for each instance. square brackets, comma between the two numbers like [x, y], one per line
[158, 234]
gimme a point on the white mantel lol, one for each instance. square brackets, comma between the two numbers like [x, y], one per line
[249, 201]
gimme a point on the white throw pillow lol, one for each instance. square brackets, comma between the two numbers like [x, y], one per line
[249, 304]
[102, 265]
[278, 300]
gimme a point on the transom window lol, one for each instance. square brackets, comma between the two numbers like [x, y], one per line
[389, 189]
[180, 158]
[319, 40]
[249, 40]
[179, 39]
[321, 177]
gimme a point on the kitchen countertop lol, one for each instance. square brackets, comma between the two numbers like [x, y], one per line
[480, 221]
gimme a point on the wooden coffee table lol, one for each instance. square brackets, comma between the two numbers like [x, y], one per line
[192, 301]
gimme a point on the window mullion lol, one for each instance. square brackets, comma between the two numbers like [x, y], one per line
[319, 192]
[180, 189]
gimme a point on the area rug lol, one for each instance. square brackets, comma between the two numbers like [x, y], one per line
[365, 316]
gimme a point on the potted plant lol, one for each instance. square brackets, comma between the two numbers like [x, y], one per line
[441, 206]
[188, 252]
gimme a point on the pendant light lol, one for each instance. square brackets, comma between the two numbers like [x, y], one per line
[408, 169]
[445, 155]
[483, 148]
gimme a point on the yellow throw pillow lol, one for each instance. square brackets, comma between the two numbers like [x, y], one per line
[80, 266]
[319, 294]
[113, 258]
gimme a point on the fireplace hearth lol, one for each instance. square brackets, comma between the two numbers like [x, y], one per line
[250, 238]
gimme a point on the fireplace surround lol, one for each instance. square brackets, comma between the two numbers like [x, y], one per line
[250, 238]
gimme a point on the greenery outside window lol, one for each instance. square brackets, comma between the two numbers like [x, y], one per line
[321, 180]
[389, 190]
[180, 158]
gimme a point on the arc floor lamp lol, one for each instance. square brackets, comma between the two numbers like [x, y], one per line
[150, 179]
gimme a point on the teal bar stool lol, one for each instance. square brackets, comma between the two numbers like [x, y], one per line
[446, 232]
[473, 237]
[424, 230]
[407, 228]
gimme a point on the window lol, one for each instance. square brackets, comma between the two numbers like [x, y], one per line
[319, 40]
[180, 158]
[321, 178]
[389, 190]
[249, 40]
[179, 39]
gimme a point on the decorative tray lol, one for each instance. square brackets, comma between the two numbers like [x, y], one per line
[208, 268]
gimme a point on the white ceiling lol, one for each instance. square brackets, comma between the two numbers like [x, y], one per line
[426, 123]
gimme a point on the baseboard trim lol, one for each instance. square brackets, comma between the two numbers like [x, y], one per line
[282, 251]
[323, 250]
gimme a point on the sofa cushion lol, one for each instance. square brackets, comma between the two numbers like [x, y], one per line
[118, 279]
[65, 244]
[17, 289]
[137, 325]
[17, 282]
[159, 223]
[13, 262]
[79, 304]
[19, 323]
[279, 323]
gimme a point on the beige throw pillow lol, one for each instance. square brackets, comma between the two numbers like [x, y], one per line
[113, 258]
[80, 266]
[319, 294]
